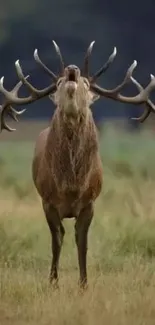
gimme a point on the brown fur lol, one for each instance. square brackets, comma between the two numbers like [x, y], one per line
[67, 169]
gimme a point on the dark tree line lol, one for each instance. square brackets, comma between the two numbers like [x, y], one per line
[29, 24]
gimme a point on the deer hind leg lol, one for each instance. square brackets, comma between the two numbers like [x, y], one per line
[57, 233]
[82, 224]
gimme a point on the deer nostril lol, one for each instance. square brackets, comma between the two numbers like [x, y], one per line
[72, 67]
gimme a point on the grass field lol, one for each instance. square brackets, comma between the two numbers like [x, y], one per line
[121, 254]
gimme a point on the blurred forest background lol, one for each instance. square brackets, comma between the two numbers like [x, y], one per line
[73, 24]
[121, 248]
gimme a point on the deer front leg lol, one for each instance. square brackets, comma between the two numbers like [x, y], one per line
[57, 233]
[82, 224]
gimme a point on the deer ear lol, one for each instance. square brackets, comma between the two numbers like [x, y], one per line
[52, 98]
[93, 97]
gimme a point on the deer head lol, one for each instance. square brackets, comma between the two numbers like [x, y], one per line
[73, 90]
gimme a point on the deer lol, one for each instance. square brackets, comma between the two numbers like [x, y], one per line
[67, 168]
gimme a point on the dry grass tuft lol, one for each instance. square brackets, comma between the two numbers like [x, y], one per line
[121, 255]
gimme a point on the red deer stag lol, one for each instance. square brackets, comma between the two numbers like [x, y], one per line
[67, 168]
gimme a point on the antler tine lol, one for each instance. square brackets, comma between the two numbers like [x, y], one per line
[3, 124]
[127, 77]
[85, 71]
[57, 49]
[23, 79]
[149, 105]
[9, 109]
[12, 112]
[38, 60]
[105, 66]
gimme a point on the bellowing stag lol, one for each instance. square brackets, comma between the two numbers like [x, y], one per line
[67, 169]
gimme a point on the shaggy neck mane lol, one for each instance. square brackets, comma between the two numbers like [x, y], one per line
[71, 136]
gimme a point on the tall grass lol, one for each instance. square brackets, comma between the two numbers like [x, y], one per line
[121, 249]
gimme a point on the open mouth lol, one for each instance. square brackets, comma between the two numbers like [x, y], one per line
[72, 76]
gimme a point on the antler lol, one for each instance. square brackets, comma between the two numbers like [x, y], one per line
[38, 60]
[150, 107]
[60, 56]
[10, 110]
[51, 73]
[141, 98]
[11, 97]
[103, 69]
[114, 94]
[85, 70]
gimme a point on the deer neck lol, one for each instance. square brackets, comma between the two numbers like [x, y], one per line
[70, 109]
[68, 124]
[69, 137]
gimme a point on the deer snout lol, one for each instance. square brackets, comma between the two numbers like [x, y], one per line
[72, 73]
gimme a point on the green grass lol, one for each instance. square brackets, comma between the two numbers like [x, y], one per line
[121, 249]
